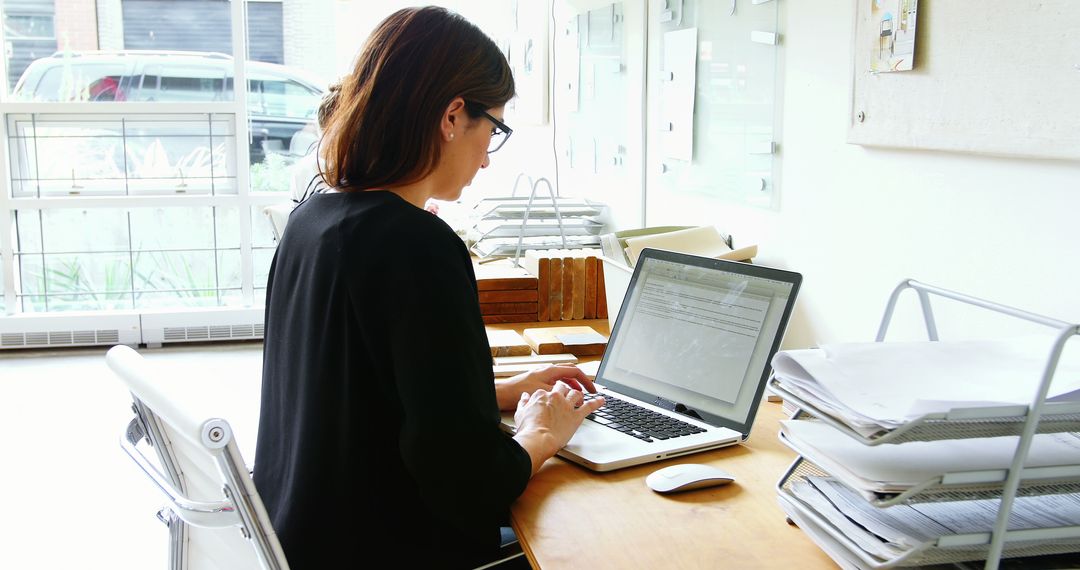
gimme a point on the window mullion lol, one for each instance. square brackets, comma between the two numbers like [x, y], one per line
[44, 265]
[3, 73]
[7, 226]
[131, 258]
[243, 186]
[149, 201]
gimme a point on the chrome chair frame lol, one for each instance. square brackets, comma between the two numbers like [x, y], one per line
[162, 424]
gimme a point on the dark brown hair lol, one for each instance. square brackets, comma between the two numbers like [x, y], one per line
[385, 127]
[327, 105]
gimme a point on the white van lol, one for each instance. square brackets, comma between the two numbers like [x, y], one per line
[280, 103]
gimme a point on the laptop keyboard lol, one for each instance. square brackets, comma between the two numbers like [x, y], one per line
[642, 423]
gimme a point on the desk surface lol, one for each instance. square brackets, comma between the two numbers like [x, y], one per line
[570, 517]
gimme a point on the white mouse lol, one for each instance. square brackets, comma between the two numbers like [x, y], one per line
[687, 476]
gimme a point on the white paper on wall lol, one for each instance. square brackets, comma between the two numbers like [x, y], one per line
[677, 94]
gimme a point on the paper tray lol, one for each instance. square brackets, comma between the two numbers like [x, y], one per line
[538, 228]
[947, 549]
[506, 247]
[956, 424]
[542, 210]
[514, 207]
[939, 489]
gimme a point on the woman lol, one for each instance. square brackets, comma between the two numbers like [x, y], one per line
[378, 407]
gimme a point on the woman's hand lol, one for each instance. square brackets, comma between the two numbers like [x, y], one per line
[509, 391]
[546, 420]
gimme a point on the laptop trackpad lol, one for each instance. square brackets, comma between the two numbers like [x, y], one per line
[600, 440]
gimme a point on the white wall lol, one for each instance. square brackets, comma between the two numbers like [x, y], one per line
[856, 220]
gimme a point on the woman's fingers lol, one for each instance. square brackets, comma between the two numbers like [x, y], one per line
[561, 387]
[575, 375]
[591, 406]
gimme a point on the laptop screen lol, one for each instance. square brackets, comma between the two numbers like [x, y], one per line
[699, 333]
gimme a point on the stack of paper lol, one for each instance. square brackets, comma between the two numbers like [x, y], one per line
[705, 241]
[515, 208]
[499, 226]
[537, 227]
[509, 246]
[879, 472]
[879, 386]
[886, 534]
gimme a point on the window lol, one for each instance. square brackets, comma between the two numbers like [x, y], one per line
[3, 299]
[28, 27]
[137, 203]
[68, 83]
[287, 99]
[175, 81]
[29, 33]
[121, 154]
[127, 258]
[135, 176]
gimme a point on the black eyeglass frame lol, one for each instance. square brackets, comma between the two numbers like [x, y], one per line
[498, 124]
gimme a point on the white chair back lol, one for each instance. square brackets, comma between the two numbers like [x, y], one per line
[278, 214]
[216, 518]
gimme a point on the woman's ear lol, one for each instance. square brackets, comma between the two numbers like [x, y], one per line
[453, 119]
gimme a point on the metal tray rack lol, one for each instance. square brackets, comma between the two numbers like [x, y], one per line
[562, 224]
[1023, 421]
[962, 486]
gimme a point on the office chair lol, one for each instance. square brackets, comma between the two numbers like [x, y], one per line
[215, 517]
[303, 141]
[278, 214]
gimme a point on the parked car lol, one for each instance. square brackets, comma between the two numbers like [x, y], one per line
[281, 101]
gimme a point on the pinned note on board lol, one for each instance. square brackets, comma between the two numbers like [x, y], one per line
[767, 38]
[677, 94]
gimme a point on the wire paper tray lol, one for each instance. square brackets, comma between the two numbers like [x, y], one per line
[1020, 420]
[924, 555]
[962, 423]
[507, 247]
[515, 207]
[947, 549]
[562, 223]
[517, 211]
[538, 228]
[954, 486]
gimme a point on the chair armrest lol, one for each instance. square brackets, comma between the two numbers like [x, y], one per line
[216, 514]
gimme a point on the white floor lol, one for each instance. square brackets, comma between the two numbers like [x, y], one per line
[69, 497]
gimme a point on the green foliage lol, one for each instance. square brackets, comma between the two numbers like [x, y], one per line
[272, 174]
[169, 272]
[68, 277]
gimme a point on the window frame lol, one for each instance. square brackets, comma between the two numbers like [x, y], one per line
[249, 204]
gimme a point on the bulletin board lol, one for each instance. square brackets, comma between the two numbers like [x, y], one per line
[994, 77]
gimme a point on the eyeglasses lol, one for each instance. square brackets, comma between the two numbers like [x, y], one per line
[499, 133]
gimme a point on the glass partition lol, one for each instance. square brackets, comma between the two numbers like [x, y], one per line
[712, 108]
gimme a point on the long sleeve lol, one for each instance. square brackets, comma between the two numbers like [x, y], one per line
[379, 427]
[464, 465]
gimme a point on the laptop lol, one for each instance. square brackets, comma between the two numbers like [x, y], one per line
[692, 345]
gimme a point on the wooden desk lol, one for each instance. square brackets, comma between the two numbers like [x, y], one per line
[570, 517]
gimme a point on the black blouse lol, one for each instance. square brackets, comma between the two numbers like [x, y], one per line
[378, 401]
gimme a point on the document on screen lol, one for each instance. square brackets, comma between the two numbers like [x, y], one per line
[689, 335]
